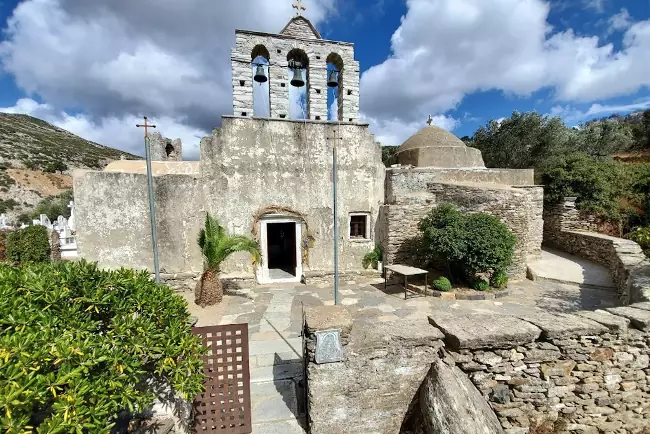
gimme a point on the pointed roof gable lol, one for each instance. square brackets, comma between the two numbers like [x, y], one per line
[301, 27]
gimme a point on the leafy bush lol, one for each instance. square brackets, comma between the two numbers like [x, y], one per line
[53, 207]
[641, 236]
[480, 285]
[442, 284]
[7, 205]
[372, 258]
[77, 345]
[55, 166]
[472, 243]
[3, 245]
[31, 244]
[499, 280]
[24, 218]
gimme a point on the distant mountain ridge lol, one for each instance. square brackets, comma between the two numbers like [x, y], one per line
[33, 143]
[32, 151]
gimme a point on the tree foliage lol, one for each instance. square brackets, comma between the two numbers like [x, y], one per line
[575, 161]
[216, 245]
[31, 244]
[476, 243]
[53, 207]
[77, 346]
[55, 166]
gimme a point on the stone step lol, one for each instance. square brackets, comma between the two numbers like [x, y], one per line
[275, 401]
[274, 352]
[283, 427]
[284, 371]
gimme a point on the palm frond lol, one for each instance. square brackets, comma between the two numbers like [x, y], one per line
[216, 245]
[240, 243]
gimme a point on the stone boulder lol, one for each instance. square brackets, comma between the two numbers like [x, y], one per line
[451, 404]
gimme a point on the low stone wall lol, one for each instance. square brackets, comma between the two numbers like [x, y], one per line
[567, 230]
[520, 208]
[588, 372]
[370, 391]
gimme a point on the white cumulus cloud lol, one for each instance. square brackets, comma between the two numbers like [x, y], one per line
[444, 50]
[119, 60]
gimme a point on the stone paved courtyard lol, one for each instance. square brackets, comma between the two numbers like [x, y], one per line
[274, 317]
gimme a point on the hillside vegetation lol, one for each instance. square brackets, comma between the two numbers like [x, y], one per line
[37, 159]
[603, 162]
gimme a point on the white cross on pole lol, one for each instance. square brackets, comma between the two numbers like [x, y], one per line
[297, 4]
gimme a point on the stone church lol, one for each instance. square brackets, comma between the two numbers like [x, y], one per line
[270, 177]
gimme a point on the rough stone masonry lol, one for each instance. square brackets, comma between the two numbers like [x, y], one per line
[588, 371]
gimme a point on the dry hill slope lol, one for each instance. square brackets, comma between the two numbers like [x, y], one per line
[30, 148]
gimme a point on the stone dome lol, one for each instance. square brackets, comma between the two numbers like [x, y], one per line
[436, 147]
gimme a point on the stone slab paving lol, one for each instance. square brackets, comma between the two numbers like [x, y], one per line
[275, 316]
[560, 267]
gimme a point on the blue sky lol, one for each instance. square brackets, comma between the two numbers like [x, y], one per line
[95, 67]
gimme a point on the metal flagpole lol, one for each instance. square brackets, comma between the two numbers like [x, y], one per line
[152, 205]
[337, 136]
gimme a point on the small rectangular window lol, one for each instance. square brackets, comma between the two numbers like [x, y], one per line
[359, 226]
[318, 91]
[242, 82]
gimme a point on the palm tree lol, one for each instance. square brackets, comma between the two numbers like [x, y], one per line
[216, 246]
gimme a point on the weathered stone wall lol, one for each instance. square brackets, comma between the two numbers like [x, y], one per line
[112, 220]
[519, 208]
[278, 46]
[265, 162]
[371, 390]
[401, 182]
[248, 164]
[589, 371]
[164, 149]
[568, 230]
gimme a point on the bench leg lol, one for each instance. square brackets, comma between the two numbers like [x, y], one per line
[406, 286]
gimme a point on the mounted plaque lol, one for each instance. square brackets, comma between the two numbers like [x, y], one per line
[328, 347]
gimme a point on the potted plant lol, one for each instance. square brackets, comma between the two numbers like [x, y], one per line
[374, 258]
[216, 247]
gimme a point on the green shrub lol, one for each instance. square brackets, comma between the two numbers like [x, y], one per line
[641, 236]
[24, 218]
[499, 280]
[372, 258]
[471, 243]
[53, 207]
[77, 345]
[3, 245]
[442, 284]
[481, 285]
[31, 244]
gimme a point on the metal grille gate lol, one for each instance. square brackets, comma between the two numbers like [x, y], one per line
[225, 406]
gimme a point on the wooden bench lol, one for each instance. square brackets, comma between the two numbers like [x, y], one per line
[406, 272]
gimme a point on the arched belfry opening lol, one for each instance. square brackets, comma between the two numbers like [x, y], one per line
[260, 61]
[298, 64]
[334, 87]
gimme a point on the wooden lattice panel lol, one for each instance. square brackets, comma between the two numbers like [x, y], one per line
[225, 406]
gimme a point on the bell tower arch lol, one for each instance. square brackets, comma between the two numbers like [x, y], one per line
[299, 36]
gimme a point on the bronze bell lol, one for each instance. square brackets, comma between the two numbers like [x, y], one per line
[332, 80]
[297, 80]
[260, 75]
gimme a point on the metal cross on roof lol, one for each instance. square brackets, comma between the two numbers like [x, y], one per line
[430, 120]
[297, 4]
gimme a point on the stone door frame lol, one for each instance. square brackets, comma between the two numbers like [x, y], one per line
[262, 273]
